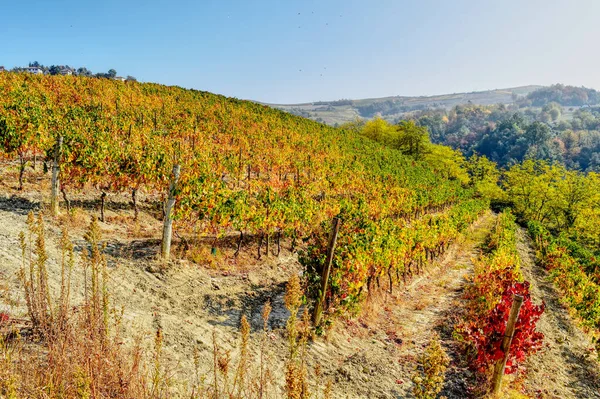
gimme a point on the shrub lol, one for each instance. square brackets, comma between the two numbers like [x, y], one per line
[429, 378]
[488, 334]
[497, 279]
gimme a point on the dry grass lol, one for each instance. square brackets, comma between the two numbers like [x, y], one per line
[422, 303]
[77, 351]
[139, 230]
[69, 351]
[204, 255]
[74, 219]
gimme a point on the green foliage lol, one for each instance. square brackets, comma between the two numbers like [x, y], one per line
[356, 126]
[551, 112]
[563, 95]
[413, 140]
[244, 166]
[484, 176]
[391, 248]
[559, 198]
[255, 170]
[410, 139]
[448, 163]
[379, 130]
[507, 134]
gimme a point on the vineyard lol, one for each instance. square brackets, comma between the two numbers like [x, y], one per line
[245, 168]
[347, 221]
[574, 270]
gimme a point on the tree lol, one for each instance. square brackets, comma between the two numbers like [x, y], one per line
[378, 129]
[131, 78]
[530, 186]
[111, 73]
[574, 194]
[54, 70]
[84, 72]
[553, 109]
[447, 162]
[537, 133]
[484, 176]
[411, 139]
[436, 124]
[356, 126]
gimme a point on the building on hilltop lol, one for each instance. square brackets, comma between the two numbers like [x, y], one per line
[34, 70]
[65, 71]
[119, 78]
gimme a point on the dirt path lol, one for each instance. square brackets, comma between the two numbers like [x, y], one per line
[566, 367]
[399, 327]
[442, 296]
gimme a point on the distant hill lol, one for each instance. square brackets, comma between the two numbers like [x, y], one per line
[393, 108]
[567, 96]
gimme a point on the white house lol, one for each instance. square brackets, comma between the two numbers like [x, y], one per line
[120, 78]
[35, 70]
[66, 71]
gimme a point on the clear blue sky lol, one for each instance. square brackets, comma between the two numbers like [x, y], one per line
[288, 51]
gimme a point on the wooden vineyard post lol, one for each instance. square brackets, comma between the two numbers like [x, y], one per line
[326, 271]
[55, 181]
[508, 336]
[168, 221]
[102, 201]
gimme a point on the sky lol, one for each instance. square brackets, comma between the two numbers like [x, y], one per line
[293, 51]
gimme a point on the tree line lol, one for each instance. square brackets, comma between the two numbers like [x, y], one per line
[508, 135]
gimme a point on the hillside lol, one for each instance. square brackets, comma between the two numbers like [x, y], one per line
[393, 108]
[160, 242]
[258, 187]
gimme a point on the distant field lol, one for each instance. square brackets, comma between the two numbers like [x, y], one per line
[395, 107]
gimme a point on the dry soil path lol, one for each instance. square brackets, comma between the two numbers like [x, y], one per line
[412, 316]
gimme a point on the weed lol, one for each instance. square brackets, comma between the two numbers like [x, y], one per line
[78, 356]
[429, 377]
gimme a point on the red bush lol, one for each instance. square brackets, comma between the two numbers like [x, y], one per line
[488, 336]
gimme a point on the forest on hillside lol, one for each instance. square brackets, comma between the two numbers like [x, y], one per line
[560, 130]
[507, 135]
[567, 96]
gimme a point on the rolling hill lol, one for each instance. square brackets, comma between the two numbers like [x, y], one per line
[392, 108]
